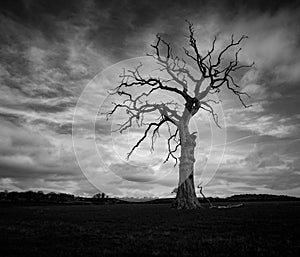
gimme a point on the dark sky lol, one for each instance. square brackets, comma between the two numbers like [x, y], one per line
[50, 50]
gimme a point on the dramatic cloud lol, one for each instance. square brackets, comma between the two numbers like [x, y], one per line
[50, 51]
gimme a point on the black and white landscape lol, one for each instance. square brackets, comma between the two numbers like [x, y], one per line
[149, 128]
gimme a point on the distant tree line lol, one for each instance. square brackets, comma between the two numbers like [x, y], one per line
[101, 198]
[52, 197]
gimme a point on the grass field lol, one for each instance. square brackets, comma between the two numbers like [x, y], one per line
[257, 229]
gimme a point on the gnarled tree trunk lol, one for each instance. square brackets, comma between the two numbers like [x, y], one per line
[186, 196]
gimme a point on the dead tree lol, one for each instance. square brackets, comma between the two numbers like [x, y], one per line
[215, 71]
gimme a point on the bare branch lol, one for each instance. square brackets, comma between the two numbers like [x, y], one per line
[231, 44]
[170, 151]
[238, 93]
[218, 206]
[211, 111]
[174, 66]
[145, 135]
[216, 73]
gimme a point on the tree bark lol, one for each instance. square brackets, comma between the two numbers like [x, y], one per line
[186, 196]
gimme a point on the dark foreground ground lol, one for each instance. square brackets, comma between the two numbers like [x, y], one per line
[257, 229]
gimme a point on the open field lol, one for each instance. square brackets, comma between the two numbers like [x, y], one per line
[257, 229]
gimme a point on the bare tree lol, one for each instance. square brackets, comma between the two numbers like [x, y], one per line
[215, 71]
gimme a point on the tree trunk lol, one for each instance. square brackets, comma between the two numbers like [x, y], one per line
[186, 196]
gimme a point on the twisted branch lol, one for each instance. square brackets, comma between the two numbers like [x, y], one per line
[213, 67]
